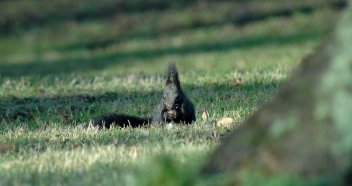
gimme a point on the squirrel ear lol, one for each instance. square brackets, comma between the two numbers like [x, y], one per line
[172, 75]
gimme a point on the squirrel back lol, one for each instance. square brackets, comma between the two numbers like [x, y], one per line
[174, 107]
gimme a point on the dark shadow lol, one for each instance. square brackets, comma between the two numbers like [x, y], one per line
[102, 61]
[106, 10]
[348, 177]
[79, 108]
[24, 109]
[242, 17]
[249, 15]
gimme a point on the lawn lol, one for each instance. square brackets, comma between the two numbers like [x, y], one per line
[57, 73]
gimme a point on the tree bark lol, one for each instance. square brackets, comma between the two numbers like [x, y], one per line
[306, 130]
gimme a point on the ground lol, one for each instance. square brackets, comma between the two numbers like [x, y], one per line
[56, 75]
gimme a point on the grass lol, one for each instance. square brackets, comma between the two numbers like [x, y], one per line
[52, 83]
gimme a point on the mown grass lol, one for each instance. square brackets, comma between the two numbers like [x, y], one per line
[51, 85]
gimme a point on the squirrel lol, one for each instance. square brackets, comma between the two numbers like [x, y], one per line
[174, 107]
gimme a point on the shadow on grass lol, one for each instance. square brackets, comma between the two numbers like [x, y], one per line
[70, 110]
[104, 10]
[63, 108]
[96, 62]
[243, 16]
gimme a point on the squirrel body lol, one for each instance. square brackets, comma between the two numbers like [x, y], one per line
[174, 107]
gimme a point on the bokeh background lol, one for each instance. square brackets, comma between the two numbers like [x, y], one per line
[63, 62]
[45, 37]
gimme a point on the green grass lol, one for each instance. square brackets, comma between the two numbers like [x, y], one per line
[51, 85]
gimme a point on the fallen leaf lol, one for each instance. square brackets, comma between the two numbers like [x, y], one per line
[237, 82]
[205, 115]
[7, 148]
[224, 122]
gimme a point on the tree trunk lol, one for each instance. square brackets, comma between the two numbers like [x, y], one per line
[305, 132]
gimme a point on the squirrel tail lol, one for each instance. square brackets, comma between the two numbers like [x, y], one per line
[121, 120]
[172, 75]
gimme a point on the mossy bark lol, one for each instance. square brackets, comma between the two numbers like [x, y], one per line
[306, 130]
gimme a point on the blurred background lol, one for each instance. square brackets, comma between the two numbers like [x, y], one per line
[46, 37]
[68, 60]
[63, 62]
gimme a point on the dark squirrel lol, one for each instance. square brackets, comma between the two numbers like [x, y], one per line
[174, 107]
